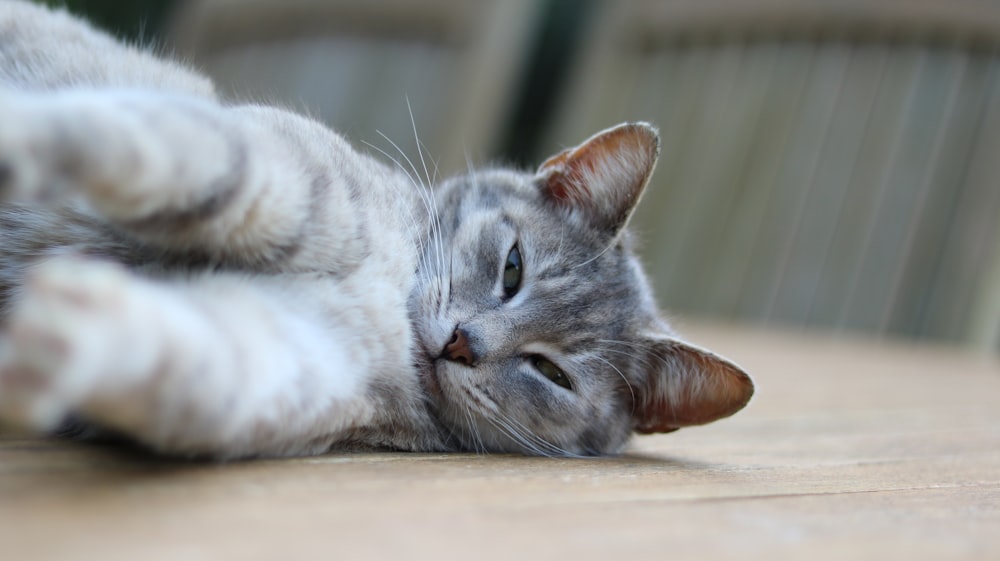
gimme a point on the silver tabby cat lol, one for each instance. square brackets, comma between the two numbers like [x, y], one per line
[223, 280]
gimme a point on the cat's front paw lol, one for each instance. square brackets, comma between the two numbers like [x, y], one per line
[64, 340]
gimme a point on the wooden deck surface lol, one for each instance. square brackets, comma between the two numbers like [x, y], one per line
[851, 450]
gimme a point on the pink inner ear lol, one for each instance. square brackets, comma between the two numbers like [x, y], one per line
[605, 174]
[564, 183]
[566, 186]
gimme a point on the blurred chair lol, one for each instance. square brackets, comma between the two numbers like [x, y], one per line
[357, 64]
[832, 163]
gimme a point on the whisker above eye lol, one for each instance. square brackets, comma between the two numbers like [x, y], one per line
[426, 195]
[416, 139]
[426, 189]
[434, 211]
[594, 258]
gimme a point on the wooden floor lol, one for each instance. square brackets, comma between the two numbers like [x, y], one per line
[850, 450]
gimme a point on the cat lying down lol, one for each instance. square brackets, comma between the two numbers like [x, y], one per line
[222, 280]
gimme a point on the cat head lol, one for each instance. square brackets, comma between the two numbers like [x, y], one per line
[536, 325]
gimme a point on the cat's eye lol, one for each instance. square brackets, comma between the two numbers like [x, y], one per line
[512, 273]
[551, 371]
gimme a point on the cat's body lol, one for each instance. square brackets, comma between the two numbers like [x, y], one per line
[235, 280]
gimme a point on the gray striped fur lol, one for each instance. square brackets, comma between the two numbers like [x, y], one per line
[235, 280]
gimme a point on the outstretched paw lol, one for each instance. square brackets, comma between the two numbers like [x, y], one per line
[62, 340]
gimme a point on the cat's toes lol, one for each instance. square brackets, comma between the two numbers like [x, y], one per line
[21, 178]
[60, 338]
[26, 398]
[28, 170]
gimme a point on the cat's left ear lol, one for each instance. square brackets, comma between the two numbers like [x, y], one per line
[602, 179]
[685, 385]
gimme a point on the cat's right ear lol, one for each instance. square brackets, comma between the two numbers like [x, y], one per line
[602, 179]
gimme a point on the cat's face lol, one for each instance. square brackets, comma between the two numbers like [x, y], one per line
[536, 329]
[534, 316]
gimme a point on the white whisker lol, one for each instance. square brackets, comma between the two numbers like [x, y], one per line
[596, 257]
[429, 202]
[435, 213]
[416, 139]
[539, 443]
[420, 239]
[477, 441]
[518, 437]
[621, 374]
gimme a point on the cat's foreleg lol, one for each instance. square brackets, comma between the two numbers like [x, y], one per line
[235, 183]
[218, 366]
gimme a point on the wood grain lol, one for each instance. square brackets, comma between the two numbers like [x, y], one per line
[851, 449]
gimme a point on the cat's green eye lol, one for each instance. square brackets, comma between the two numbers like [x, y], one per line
[512, 273]
[551, 371]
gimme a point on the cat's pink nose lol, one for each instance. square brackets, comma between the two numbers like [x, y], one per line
[458, 350]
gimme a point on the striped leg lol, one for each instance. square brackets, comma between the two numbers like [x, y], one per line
[221, 366]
